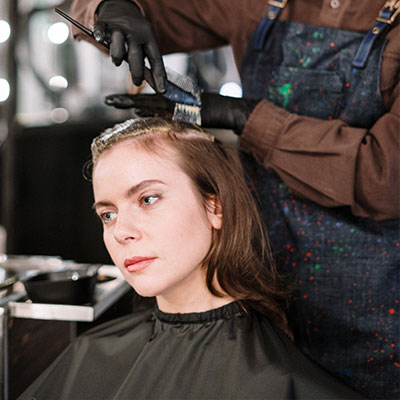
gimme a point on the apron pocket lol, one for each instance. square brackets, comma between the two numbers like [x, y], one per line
[313, 93]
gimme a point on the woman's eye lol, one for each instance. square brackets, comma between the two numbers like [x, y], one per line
[149, 200]
[108, 216]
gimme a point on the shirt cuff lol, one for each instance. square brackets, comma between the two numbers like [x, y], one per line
[261, 131]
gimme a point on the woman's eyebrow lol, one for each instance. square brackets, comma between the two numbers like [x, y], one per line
[100, 204]
[130, 192]
[142, 185]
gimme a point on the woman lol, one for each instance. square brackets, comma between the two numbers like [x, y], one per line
[181, 225]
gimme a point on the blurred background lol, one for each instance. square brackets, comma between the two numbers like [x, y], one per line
[51, 106]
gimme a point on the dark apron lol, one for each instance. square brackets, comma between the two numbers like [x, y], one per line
[345, 305]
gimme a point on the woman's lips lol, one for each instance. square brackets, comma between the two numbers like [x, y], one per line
[135, 264]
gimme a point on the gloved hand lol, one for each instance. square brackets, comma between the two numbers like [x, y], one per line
[216, 111]
[131, 37]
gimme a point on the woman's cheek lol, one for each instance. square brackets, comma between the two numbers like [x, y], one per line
[108, 243]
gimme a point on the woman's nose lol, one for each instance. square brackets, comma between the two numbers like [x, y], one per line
[126, 228]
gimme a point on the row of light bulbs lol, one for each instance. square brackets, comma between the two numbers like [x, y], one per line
[57, 33]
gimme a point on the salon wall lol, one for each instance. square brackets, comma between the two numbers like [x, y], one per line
[52, 212]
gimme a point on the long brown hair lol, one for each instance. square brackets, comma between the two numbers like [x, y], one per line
[240, 256]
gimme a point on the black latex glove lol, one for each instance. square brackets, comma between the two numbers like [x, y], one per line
[216, 111]
[131, 37]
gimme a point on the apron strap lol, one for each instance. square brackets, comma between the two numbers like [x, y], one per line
[387, 15]
[265, 25]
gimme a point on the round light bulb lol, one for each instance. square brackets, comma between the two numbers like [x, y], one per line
[231, 89]
[58, 32]
[58, 82]
[4, 89]
[59, 115]
[5, 31]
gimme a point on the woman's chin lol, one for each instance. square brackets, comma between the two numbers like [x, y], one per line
[145, 291]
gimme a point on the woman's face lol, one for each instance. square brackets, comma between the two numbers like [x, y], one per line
[156, 228]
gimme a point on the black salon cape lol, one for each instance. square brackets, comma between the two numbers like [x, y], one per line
[219, 354]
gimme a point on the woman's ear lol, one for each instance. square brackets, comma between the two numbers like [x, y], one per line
[214, 211]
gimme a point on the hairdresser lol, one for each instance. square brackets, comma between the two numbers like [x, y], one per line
[319, 134]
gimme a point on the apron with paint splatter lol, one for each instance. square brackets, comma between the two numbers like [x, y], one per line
[345, 304]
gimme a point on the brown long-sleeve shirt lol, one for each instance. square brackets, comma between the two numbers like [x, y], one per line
[328, 162]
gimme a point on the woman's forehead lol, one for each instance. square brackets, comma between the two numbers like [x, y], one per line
[130, 157]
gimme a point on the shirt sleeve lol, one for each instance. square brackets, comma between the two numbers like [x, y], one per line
[330, 162]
